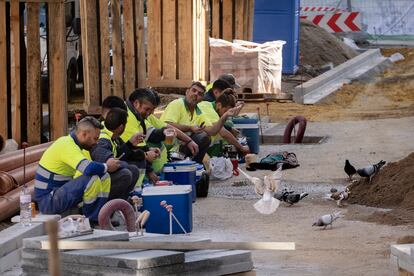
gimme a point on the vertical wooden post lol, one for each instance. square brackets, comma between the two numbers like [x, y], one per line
[129, 47]
[240, 19]
[57, 70]
[228, 20]
[140, 42]
[34, 96]
[15, 70]
[3, 70]
[54, 258]
[104, 39]
[250, 16]
[90, 54]
[154, 40]
[185, 53]
[118, 77]
[196, 40]
[215, 14]
[205, 21]
[169, 44]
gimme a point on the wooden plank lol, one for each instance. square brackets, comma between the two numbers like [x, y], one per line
[169, 83]
[15, 70]
[90, 53]
[154, 39]
[155, 245]
[215, 15]
[205, 30]
[129, 47]
[118, 74]
[227, 20]
[240, 17]
[185, 45]
[3, 69]
[169, 44]
[140, 41]
[34, 96]
[196, 39]
[57, 71]
[104, 54]
[250, 17]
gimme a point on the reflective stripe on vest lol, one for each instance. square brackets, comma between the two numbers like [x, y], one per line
[97, 187]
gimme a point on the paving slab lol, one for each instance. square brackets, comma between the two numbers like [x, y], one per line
[10, 260]
[12, 237]
[403, 255]
[97, 235]
[39, 218]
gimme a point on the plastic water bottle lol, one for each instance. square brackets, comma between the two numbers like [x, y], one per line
[25, 207]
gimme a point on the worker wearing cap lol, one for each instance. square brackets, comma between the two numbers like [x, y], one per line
[214, 110]
[218, 87]
[56, 189]
[128, 176]
[229, 80]
[185, 115]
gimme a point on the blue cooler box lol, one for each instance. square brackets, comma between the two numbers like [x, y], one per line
[182, 173]
[249, 127]
[179, 196]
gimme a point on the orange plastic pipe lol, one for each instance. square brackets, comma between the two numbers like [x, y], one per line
[30, 173]
[9, 203]
[13, 160]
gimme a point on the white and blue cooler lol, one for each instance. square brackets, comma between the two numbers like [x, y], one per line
[179, 196]
[199, 171]
[182, 173]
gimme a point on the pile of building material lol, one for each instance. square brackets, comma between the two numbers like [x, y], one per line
[134, 262]
[257, 67]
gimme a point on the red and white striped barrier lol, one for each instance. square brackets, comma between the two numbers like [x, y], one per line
[319, 9]
[337, 22]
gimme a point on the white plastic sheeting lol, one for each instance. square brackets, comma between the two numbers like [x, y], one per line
[255, 66]
[379, 17]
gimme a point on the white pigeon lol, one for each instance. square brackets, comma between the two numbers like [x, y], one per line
[326, 220]
[267, 188]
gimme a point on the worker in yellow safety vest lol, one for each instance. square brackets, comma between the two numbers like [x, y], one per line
[56, 189]
[110, 145]
[185, 115]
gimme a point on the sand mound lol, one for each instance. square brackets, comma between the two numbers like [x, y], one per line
[318, 47]
[392, 187]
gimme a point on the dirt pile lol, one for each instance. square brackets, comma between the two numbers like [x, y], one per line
[318, 47]
[392, 187]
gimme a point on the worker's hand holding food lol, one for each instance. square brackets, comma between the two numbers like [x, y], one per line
[137, 138]
[193, 147]
[156, 150]
[113, 164]
[150, 156]
[198, 129]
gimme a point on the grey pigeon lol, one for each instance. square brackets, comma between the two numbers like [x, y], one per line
[349, 169]
[326, 220]
[289, 197]
[371, 170]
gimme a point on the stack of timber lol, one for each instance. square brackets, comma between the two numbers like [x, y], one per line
[134, 261]
[257, 67]
[16, 170]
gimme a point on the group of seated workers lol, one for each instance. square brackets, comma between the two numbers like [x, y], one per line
[99, 161]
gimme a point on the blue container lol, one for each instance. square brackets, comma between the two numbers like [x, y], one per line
[179, 196]
[249, 127]
[199, 171]
[182, 173]
[279, 20]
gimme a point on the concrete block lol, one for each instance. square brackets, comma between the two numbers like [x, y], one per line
[10, 260]
[11, 237]
[38, 218]
[362, 66]
[97, 235]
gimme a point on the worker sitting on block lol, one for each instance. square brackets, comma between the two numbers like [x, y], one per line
[214, 110]
[185, 115]
[141, 104]
[215, 89]
[110, 145]
[56, 190]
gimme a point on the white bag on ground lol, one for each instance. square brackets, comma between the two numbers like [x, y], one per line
[221, 168]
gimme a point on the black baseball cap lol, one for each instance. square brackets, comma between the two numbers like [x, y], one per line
[230, 79]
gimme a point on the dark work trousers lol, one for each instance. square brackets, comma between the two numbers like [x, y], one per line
[123, 182]
[203, 141]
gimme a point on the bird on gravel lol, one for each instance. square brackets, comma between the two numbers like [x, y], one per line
[289, 197]
[266, 188]
[349, 169]
[326, 220]
[370, 171]
[339, 196]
